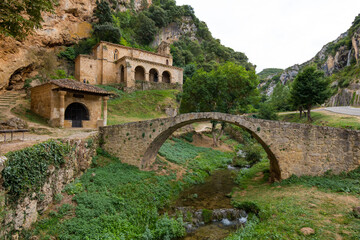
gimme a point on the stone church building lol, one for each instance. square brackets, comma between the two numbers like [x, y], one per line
[113, 63]
[69, 103]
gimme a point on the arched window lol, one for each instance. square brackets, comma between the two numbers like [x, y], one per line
[76, 112]
[167, 62]
[116, 54]
[166, 77]
[154, 75]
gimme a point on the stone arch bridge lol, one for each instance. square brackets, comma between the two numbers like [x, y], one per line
[300, 149]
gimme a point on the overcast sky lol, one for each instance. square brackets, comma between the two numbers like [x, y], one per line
[276, 33]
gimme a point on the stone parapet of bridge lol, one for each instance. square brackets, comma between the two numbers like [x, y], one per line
[299, 149]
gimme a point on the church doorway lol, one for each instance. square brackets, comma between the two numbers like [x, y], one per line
[76, 112]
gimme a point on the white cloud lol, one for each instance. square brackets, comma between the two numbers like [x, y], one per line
[276, 33]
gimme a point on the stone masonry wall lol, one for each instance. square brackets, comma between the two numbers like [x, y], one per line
[299, 149]
[27, 210]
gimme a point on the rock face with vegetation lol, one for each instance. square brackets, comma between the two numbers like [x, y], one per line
[33, 177]
[339, 60]
[75, 26]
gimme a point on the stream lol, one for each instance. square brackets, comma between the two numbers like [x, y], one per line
[219, 218]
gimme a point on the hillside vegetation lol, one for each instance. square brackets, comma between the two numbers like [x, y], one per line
[140, 105]
[198, 49]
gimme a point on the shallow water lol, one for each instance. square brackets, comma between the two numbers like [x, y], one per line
[213, 194]
[210, 195]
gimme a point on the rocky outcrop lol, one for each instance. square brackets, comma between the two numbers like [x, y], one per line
[349, 96]
[70, 21]
[174, 31]
[332, 58]
[13, 123]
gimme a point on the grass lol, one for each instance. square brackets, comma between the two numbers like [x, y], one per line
[118, 201]
[344, 182]
[287, 207]
[140, 105]
[325, 119]
[24, 112]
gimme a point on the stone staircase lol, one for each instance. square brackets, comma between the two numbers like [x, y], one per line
[7, 101]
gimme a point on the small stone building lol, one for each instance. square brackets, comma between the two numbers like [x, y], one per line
[68, 103]
[113, 63]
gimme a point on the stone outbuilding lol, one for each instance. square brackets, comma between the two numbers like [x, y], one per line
[69, 103]
[113, 63]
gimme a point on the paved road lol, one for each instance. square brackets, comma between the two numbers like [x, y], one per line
[344, 110]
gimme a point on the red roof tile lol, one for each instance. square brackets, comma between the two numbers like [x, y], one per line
[79, 86]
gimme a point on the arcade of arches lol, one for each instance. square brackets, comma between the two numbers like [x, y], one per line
[300, 149]
[113, 63]
[152, 75]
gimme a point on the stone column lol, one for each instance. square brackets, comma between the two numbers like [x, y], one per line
[131, 83]
[147, 77]
[105, 98]
[62, 107]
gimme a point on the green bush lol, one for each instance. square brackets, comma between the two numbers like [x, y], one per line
[107, 32]
[253, 153]
[248, 207]
[69, 53]
[267, 111]
[206, 215]
[26, 170]
[188, 136]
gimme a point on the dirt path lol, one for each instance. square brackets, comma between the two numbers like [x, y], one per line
[33, 138]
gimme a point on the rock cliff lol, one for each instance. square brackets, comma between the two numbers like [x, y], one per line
[336, 59]
[70, 21]
[174, 31]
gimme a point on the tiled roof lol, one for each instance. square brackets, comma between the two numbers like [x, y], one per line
[78, 86]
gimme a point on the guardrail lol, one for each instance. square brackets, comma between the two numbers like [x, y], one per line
[12, 131]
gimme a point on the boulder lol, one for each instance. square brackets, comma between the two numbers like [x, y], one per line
[14, 123]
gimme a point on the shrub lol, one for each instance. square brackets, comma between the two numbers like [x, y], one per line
[248, 207]
[206, 215]
[69, 54]
[26, 170]
[253, 153]
[267, 111]
[107, 32]
[188, 136]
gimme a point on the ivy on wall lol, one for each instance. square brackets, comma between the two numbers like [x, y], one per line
[26, 170]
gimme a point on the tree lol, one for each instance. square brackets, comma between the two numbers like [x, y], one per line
[103, 12]
[228, 89]
[310, 88]
[158, 15]
[107, 32]
[267, 111]
[145, 29]
[18, 18]
[280, 97]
